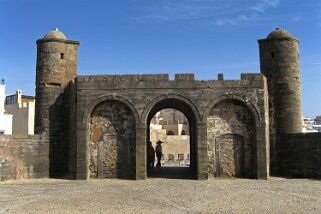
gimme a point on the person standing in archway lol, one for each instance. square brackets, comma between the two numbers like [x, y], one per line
[152, 155]
[159, 153]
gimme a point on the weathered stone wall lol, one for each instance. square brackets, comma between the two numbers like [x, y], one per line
[147, 94]
[23, 156]
[298, 155]
[112, 146]
[72, 129]
[231, 140]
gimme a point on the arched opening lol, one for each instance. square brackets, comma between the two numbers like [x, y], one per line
[165, 123]
[170, 132]
[112, 141]
[231, 140]
[165, 127]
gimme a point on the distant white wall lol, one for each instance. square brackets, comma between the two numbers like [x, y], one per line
[23, 115]
[2, 98]
[154, 126]
[31, 118]
[6, 124]
[5, 119]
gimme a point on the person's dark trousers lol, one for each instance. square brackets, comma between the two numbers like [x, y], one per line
[159, 157]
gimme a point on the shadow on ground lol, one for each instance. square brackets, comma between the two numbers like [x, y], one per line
[171, 172]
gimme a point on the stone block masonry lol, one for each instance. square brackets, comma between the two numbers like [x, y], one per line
[231, 142]
[144, 95]
[112, 146]
[23, 156]
[298, 156]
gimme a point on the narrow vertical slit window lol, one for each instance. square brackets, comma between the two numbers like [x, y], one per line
[272, 55]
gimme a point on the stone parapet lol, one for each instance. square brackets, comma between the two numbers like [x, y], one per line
[298, 155]
[23, 156]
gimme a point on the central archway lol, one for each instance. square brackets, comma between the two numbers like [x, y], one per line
[187, 110]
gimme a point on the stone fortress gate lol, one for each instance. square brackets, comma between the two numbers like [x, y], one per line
[97, 126]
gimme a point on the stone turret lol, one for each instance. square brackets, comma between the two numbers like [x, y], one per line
[56, 67]
[279, 60]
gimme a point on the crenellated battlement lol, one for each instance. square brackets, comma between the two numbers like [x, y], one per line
[159, 77]
[162, 81]
[125, 77]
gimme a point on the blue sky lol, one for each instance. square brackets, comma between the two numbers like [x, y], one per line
[205, 37]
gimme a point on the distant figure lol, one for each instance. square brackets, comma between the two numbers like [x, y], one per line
[159, 153]
[152, 155]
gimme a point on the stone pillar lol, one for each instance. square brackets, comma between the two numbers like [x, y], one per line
[141, 161]
[201, 152]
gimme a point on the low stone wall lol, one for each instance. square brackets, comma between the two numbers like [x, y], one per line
[23, 156]
[298, 156]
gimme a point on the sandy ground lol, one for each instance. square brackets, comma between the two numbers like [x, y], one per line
[159, 195]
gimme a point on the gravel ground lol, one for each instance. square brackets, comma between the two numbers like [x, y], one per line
[157, 195]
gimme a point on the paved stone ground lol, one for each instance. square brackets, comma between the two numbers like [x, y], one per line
[159, 195]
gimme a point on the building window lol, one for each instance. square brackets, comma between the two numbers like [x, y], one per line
[180, 157]
[12, 99]
[183, 132]
[272, 54]
[62, 56]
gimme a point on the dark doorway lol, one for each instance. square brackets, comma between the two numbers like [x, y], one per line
[165, 125]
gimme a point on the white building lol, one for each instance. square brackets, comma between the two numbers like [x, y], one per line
[23, 110]
[312, 125]
[5, 118]
[317, 123]
[172, 128]
[173, 121]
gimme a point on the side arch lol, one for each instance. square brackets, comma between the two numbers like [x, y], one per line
[90, 108]
[84, 135]
[232, 139]
[239, 98]
[111, 142]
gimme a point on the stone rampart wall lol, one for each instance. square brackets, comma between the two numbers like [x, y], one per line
[298, 155]
[23, 156]
[155, 81]
[147, 94]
